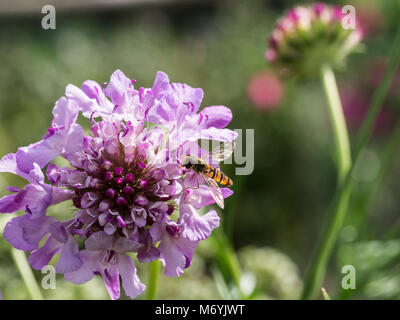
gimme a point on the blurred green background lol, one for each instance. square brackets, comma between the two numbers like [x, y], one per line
[277, 213]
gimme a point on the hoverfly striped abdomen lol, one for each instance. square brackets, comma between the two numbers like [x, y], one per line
[219, 177]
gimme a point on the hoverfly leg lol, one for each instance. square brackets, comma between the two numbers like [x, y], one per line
[198, 183]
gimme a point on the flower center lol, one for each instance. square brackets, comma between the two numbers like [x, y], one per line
[122, 190]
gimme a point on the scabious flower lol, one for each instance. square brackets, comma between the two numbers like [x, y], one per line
[307, 37]
[124, 179]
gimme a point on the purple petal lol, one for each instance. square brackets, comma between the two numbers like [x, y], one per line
[93, 90]
[38, 152]
[109, 229]
[87, 104]
[202, 196]
[60, 195]
[69, 259]
[178, 102]
[172, 257]
[91, 264]
[160, 85]
[186, 95]
[59, 232]
[156, 231]
[198, 227]
[215, 116]
[65, 135]
[130, 281]
[64, 138]
[8, 163]
[35, 197]
[74, 141]
[148, 252]
[65, 113]
[176, 251]
[118, 88]
[42, 256]
[89, 199]
[37, 174]
[34, 229]
[8, 204]
[99, 241]
[126, 245]
[111, 280]
[65, 176]
[13, 233]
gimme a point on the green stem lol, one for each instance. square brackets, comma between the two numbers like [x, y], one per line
[153, 279]
[324, 250]
[325, 247]
[338, 122]
[26, 274]
[341, 198]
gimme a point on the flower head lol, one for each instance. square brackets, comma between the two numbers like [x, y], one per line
[124, 180]
[307, 37]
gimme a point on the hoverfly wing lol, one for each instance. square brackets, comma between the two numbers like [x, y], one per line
[223, 151]
[215, 191]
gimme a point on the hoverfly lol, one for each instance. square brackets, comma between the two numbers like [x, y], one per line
[211, 175]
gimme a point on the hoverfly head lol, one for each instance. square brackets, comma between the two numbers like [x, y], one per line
[189, 161]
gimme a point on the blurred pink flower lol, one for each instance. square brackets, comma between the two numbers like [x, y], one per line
[369, 18]
[356, 102]
[375, 74]
[265, 90]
